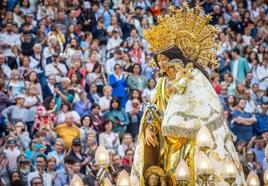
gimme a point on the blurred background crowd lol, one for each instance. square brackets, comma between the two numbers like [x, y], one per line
[75, 74]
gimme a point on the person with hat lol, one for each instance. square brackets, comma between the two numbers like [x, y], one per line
[77, 154]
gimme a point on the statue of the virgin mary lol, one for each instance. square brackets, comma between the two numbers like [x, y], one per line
[183, 101]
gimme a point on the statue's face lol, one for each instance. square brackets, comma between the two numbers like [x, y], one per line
[153, 180]
[162, 61]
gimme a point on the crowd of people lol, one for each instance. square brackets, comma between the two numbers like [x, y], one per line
[75, 75]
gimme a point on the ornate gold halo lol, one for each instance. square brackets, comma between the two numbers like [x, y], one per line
[154, 170]
[187, 30]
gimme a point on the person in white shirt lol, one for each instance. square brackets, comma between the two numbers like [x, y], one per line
[104, 101]
[71, 50]
[114, 42]
[12, 152]
[148, 91]
[109, 139]
[255, 11]
[247, 37]
[9, 39]
[250, 105]
[37, 58]
[224, 44]
[110, 63]
[40, 172]
[49, 50]
[262, 73]
[127, 143]
[55, 68]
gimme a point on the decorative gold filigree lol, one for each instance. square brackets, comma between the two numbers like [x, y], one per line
[189, 31]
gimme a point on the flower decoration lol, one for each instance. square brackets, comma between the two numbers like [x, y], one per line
[185, 72]
[183, 77]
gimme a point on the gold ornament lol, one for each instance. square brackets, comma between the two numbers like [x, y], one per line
[187, 30]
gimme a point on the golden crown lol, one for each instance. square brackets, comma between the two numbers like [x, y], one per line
[189, 31]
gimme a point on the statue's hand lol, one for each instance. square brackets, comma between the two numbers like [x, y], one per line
[150, 137]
